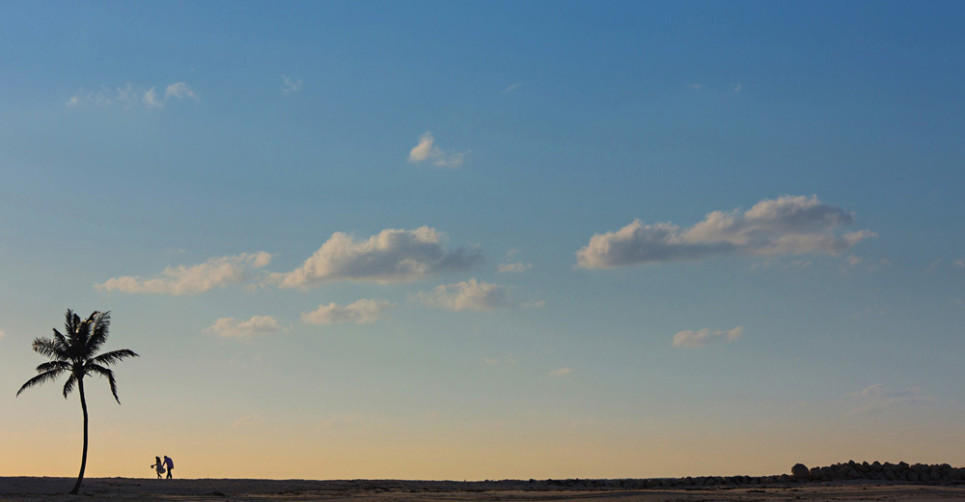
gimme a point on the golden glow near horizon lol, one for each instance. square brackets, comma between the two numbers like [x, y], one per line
[350, 447]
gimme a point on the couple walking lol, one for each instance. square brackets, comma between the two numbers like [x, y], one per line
[159, 466]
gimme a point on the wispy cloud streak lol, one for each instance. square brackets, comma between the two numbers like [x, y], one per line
[691, 339]
[192, 280]
[229, 327]
[877, 397]
[130, 96]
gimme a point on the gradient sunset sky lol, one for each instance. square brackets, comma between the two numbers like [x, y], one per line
[476, 240]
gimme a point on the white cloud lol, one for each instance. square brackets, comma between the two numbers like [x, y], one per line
[150, 99]
[562, 372]
[426, 150]
[179, 90]
[290, 85]
[259, 325]
[362, 311]
[393, 255]
[786, 225]
[466, 295]
[853, 260]
[130, 95]
[213, 273]
[959, 263]
[2, 334]
[736, 89]
[514, 268]
[512, 87]
[701, 338]
[496, 361]
[124, 95]
[877, 398]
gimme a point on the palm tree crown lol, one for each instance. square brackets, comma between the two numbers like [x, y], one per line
[76, 353]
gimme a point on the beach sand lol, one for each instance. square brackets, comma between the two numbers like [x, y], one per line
[123, 489]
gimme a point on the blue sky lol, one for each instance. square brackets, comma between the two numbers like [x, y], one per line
[487, 239]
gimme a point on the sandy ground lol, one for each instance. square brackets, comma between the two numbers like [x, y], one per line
[120, 489]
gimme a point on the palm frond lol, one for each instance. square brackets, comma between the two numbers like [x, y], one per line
[53, 365]
[41, 378]
[60, 340]
[72, 326]
[69, 385]
[69, 321]
[49, 348]
[104, 372]
[109, 358]
[100, 330]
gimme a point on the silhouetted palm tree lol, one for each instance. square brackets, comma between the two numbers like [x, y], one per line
[75, 354]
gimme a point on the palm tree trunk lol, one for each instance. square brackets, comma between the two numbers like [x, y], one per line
[83, 459]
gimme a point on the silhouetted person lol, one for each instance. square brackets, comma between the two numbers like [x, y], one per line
[169, 464]
[158, 466]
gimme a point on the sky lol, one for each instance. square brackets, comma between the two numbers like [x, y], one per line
[485, 240]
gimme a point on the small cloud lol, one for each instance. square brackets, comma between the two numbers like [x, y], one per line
[690, 339]
[259, 325]
[538, 304]
[876, 398]
[2, 334]
[179, 90]
[514, 268]
[695, 86]
[959, 263]
[562, 372]
[512, 87]
[290, 85]
[196, 279]
[787, 225]
[466, 295]
[124, 95]
[362, 311]
[931, 266]
[130, 95]
[391, 256]
[736, 89]
[853, 260]
[495, 361]
[151, 100]
[426, 150]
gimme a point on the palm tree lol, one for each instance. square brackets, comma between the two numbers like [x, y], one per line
[75, 354]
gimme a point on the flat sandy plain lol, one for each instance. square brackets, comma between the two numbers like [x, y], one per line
[249, 490]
